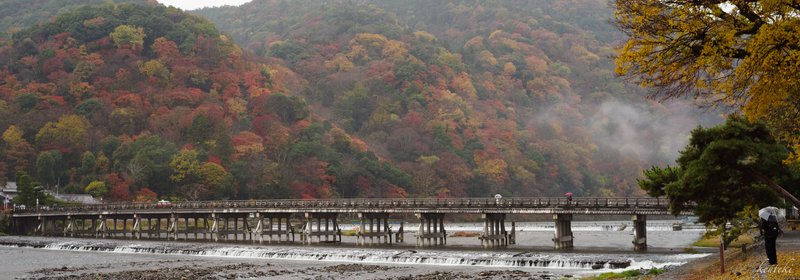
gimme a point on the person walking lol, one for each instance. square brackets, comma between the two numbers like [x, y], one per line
[771, 231]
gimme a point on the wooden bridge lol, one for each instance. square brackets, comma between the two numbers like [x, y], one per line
[256, 219]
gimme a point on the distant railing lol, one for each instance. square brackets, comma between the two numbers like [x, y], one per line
[373, 203]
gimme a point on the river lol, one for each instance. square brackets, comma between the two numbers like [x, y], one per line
[599, 247]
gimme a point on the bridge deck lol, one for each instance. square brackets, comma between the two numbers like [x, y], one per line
[522, 205]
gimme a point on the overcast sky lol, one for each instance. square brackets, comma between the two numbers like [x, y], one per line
[197, 4]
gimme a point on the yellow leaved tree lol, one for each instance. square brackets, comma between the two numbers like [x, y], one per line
[739, 53]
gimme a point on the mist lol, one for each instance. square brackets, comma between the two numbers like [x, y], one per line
[654, 134]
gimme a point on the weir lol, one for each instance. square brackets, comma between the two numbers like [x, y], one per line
[271, 220]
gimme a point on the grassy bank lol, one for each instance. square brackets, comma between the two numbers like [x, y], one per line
[713, 241]
[636, 274]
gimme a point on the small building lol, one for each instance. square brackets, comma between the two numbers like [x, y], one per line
[9, 190]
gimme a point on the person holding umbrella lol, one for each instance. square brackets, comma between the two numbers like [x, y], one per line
[569, 197]
[771, 230]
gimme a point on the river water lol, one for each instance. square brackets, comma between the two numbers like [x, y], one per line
[599, 247]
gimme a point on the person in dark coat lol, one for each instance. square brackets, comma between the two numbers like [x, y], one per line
[771, 231]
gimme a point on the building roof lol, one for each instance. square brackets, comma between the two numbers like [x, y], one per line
[10, 187]
[80, 198]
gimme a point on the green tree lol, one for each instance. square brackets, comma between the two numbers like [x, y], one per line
[722, 171]
[147, 161]
[354, 108]
[96, 188]
[289, 108]
[88, 163]
[45, 168]
[186, 173]
[727, 52]
[30, 192]
[185, 167]
[127, 36]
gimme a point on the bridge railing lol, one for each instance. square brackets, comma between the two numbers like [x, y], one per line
[373, 203]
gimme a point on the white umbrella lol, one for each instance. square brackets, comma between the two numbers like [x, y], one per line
[765, 212]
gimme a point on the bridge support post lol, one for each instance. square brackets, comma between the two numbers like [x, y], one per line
[136, 231]
[399, 238]
[173, 227]
[158, 228]
[378, 227]
[331, 227]
[214, 230]
[639, 232]
[41, 228]
[494, 231]
[431, 230]
[101, 229]
[69, 226]
[113, 230]
[563, 231]
[512, 237]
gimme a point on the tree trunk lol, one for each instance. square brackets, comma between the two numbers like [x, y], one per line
[778, 189]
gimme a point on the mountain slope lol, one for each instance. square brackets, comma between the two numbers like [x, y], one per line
[471, 97]
[16, 15]
[138, 101]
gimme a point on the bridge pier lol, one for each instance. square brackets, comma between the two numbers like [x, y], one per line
[374, 220]
[512, 237]
[271, 227]
[191, 225]
[41, 229]
[81, 226]
[331, 229]
[563, 231]
[494, 231]
[639, 232]
[50, 226]
[221, 226]
[431, 230]
[153, 224]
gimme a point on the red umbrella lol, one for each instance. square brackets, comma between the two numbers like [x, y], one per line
[568, 194]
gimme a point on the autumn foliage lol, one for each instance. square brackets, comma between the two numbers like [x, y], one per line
[359, 99]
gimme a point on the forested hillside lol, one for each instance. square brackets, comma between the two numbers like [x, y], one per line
[134, 102]
[16, 15]
[328, 99]
[471, 97]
